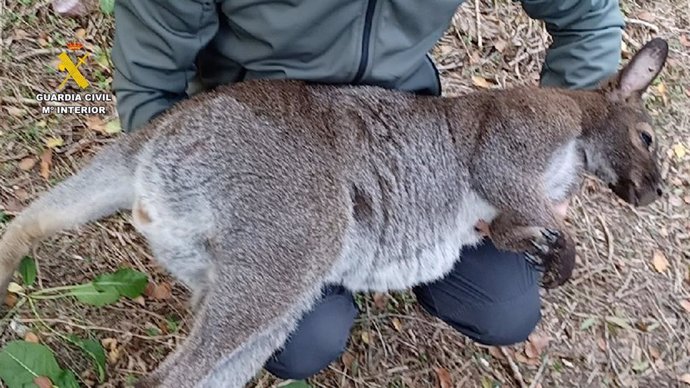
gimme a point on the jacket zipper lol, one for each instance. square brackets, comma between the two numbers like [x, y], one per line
[364, 58]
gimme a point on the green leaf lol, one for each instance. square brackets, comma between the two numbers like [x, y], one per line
[4, 217]
[587, 323]
[94, 350]
[124, 281]
[113, 126]
[27, 268]
[107, 6]
[21, 362]
[66, 379]
[640, 366]
[90, 295]
[297, 384]
[620, 322]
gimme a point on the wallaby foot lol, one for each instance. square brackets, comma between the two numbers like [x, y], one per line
[549, 248]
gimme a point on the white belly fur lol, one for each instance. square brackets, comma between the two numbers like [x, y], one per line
[359, 269]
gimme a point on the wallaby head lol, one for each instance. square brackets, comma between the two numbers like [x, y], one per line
[621, 149]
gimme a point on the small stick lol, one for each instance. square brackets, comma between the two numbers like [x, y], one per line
[649, 25]
[513, 368]
[537, 377]
[479, 23]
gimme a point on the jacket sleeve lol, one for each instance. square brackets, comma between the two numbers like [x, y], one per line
[586, 40]
[155, 46]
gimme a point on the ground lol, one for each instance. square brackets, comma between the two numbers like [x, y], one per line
[623, 320]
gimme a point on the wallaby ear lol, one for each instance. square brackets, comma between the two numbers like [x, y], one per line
[642, 69]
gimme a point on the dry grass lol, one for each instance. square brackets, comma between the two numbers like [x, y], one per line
[639, 334]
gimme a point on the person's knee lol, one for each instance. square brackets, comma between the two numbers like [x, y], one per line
[503, 325]
[320, 339]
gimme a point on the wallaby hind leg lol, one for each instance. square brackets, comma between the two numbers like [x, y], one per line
[254, 301]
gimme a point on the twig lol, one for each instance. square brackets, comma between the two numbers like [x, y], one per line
[540, 371]
[609, 238]
[479, 23]
[157, 338]
[38, 52]
[513, 368]
[649, 25]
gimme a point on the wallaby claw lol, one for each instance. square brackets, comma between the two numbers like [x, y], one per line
[541, 248]
[536, 261]
[551, 235]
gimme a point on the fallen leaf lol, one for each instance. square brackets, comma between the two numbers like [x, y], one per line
[21, 194]
[684, 40]
[686, 199]
[654, 352]
[480, 82]
[54, 142]
[42, 42]
[46, 162]
[587, 323]
[31, 337]
[496, 353]
[27, 164]
[380, 300]
[685, 378]
[620, 322]
[685, 304]
[348, 359]
[20, 34]
[661, 88]
[113, 127]
[538, 343]
[444, 380]
[15, 288]
[43, 382]
[659, 261]
[109, 343]
[365, 337]
[397, 325]
[500, 45]
[601, 343]
[10, 300]
[95, 123]
[113, 355]
[675, 201]
[140, 301]
[148, 291]
[646, 16]
[680, 150]
[162, 291]
[80, 33]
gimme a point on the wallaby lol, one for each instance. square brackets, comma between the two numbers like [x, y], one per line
[256, 195]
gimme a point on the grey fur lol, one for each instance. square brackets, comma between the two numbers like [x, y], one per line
[257, 194]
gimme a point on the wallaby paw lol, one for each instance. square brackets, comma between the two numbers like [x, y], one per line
[552, 252]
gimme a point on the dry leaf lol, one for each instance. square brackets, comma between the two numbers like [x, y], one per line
[27, 164]
[140, 301]
[148, 291]
[46, 162]
[95, 123]
[43, 382]
[10, 300]
[21, 194]
[685, 304]
[661, 88]
[660, 261]
[109, 343]
[538, 344]
[646, 16]
[601, 343]
[685, 378]
[348, 359]
[31, 337]
[444, 380]
[380, 300]
[113, 355]
[397, 325]
[480, 82]
[654, 352]
[686, 199]
[675, 201]
[496, 353]
[162, 291]
[80, 33]
[54, 142]
[684, 40]
[680, 150]
[531, 350]
[365, 337]
[500, 45]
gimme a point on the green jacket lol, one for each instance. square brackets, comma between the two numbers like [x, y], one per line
[162, 46]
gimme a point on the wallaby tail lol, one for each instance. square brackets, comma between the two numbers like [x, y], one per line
[102, 188]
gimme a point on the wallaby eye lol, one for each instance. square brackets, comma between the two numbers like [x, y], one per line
[646, 138]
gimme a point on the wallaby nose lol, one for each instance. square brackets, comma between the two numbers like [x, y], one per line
[659, 191]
